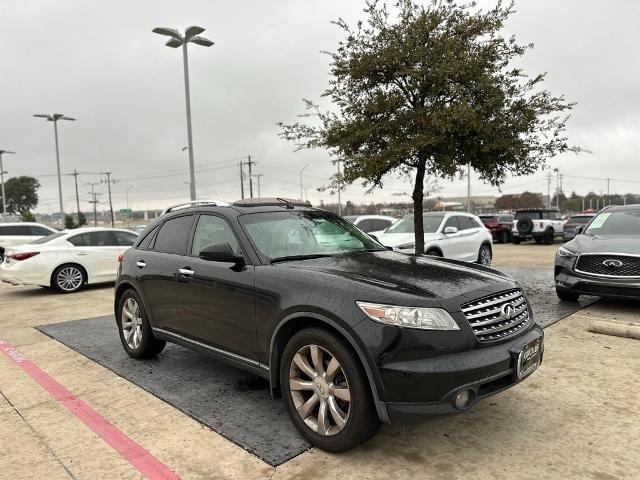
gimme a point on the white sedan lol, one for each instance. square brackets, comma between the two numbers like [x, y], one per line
[69, 260]
[459, 236]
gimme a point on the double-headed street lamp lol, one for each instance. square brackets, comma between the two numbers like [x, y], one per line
[54, 117]
[4, 198]
[191, 35]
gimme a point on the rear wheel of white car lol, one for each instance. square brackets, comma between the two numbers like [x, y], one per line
[484, 255]
[135, 331]
[434, 252]
[68, 278]
[326, 391]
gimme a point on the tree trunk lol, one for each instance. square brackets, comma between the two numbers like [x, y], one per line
[418, 197]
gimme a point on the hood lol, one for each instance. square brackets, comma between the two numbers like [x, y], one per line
[395, 239]
[428, 277]
[604, 244]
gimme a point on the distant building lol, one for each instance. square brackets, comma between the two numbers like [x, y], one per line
[479, 203]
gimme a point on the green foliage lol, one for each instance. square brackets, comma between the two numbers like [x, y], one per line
[28, 217]
[429, 90]
[82, 219]
[68, 222]
[21, 194]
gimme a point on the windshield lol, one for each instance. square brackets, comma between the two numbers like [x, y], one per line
[621, 222]
[405, 225]
[579, 220]
[48, 238]
[307, 233]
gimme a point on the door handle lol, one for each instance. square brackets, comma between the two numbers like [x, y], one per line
[141, 264]
[82, 253]
[186, 272]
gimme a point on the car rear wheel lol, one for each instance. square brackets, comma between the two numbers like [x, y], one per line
[68, 278]
[503, 237]
[434, 252]
[326, 391]
[135, 332]
[548, 236]
[566, 295]
[484, 255]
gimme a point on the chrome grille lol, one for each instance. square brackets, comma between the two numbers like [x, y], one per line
[604, 265]
[486, 318]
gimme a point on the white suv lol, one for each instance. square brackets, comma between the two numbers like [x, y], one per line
[460, 236]
[372, 224]
[537, 224]
[21, 232]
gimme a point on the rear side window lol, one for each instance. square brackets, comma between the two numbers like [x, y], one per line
[147, 241]
[93, 239]
[39, 231]
[365, 225]
[378, 224]
[173, 235]
[124, 239]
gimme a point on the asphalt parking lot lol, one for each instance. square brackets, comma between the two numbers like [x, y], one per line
[574, 418]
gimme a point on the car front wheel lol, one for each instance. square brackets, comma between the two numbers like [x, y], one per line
[326, 391]
[566, 295]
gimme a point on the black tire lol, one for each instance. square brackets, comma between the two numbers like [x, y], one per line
[548, 236]
[362, 419]
[149, 346]
[524, 225]
[516, 240]
[434, 252]
[566, 295]
[538, 240]
[485, 255]
[69, 278]
[503, 237]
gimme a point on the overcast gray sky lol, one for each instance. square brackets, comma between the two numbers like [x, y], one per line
[99, 62]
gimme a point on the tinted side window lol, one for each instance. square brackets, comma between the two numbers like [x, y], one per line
[174, 235]
[377, 224]
[39, 231]
[17, 230]
[98, 239]
[451, 222]
[211, 230]
[147, 241]
[76, 240]
[366, 225]
[545, 215]
[124, 239]
[466, 223]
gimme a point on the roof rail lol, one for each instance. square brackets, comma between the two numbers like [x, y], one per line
[195, 203]
[271, 202]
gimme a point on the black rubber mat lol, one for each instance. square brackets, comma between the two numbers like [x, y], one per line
[231, 402]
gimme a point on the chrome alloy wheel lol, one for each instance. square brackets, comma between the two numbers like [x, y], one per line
[69, 278]
[319, 390]
[485, 256]
[132, 323]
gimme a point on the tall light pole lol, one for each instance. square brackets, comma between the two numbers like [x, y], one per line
[4, 198]
[191, 35]
[54, 117]
[258, 175]
[302, 170]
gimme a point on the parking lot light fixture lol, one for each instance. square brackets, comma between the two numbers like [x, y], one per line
[54, 117]
[191, 35]
[4, 198]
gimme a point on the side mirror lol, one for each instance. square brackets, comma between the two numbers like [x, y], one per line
[579, 230]
[450, 230]
[220, 252]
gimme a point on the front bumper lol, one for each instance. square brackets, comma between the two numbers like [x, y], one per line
[484, 371]
[583, 284]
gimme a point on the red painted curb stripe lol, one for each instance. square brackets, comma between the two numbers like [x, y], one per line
[149, 466]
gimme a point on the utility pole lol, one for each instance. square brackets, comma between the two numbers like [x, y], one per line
[108, 174]
[258, 177]
[250, 162]
[302, 170]
[549, 191]
[75, 179]
[2, 172]
[557, 188]
[241, 179]
[339, 188]
[94, 200]
[583, 203]
[608, 197]
[469, 188]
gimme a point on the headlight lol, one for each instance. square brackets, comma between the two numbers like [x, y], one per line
[411, 317]
[566, 253]
[407, 246]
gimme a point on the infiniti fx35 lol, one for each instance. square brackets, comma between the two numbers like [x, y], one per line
[349, 333]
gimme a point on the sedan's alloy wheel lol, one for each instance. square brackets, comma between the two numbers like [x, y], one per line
[69, 278]
[319, 390]
[132, 323]
[485, 256]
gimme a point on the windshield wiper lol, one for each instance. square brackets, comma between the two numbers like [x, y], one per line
[301, 257]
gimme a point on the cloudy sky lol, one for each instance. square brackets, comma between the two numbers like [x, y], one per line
[100, 63]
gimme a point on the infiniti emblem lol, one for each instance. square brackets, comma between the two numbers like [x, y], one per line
[612, 263]
[508, 311]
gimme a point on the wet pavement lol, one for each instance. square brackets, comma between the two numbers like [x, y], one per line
[230, 401]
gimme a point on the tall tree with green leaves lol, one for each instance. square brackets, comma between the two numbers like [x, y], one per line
[22, 194]
[421, 91]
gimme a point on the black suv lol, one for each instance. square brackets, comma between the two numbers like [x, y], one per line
[348, 332]
[604, 257]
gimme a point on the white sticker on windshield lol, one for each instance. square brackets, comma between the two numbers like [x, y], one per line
[599, 220]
